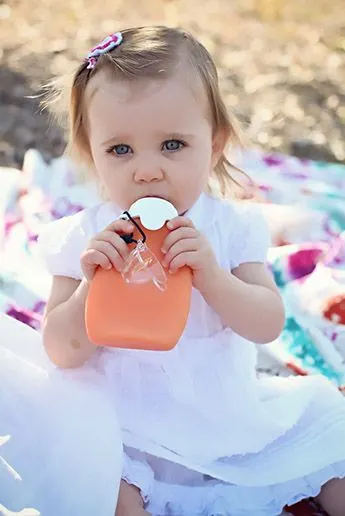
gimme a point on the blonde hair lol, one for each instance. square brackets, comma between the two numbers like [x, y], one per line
[150, 53]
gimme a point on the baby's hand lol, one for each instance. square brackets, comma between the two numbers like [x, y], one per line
[185, 245]
[106, 249]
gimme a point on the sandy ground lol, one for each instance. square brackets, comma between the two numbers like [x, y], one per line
[282, 67]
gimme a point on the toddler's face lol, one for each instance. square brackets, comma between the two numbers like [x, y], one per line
[149, 138]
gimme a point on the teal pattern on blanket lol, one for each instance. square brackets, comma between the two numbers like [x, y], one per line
[301, 345]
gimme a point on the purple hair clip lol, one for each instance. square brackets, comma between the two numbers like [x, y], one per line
[105, 46]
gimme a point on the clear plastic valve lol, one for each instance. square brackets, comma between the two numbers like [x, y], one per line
[142, 266]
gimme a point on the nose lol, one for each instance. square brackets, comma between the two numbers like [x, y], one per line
[148, 170]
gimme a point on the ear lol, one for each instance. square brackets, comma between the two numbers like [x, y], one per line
[219, 141]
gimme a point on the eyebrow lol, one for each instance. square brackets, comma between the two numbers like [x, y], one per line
[116, 138]
[178, 136]
[164, 136]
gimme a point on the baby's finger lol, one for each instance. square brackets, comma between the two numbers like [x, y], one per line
[187, 258]
[93, 258]
[107, 249]
[179, 222]
[120, 225]
[115, 241]
[182, 246]
[181, 233]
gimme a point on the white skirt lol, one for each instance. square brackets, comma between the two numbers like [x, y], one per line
[65, 456]
[61, 450]
[170, 489]
[202, 401]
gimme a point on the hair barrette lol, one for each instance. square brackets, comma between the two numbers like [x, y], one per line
[105, 46]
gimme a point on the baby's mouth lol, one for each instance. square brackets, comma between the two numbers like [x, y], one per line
[157, 196]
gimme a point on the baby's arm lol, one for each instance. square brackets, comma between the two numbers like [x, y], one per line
[64, 333]
[248, 301]
[246, 298]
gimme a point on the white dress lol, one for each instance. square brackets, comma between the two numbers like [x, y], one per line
[202, 434]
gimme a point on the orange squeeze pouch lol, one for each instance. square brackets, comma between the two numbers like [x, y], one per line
[144, 307]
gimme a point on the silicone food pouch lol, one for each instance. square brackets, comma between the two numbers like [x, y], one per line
[144, 307]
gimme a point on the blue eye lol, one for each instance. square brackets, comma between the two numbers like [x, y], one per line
[120, 149]
[173, 145]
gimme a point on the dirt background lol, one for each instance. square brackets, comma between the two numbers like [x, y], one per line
[282, 65]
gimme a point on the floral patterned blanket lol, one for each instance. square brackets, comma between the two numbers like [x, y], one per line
[304, 203]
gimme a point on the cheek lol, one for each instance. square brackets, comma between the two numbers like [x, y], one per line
[105, 168]
[203, 164]
[114, 179]
[200, 157]
[196, 168]
[98, 161]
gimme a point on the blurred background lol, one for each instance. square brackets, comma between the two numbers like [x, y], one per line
[281, 64]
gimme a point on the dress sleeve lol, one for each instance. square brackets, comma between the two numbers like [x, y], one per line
[251, 237]
[61, 242]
